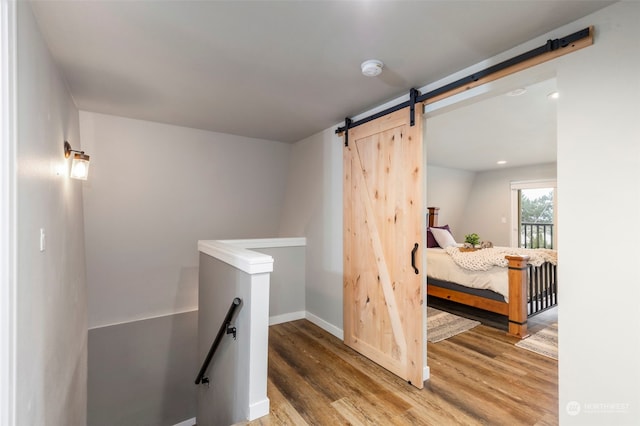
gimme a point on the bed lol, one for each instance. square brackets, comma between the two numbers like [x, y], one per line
[518, 290]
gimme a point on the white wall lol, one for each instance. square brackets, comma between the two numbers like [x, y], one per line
[286, 283]
[154, 191]
[599, 185]
[313, 208]
[477, 202]
[8, 209]
[142, 372]
[598, 177]
[449, 189]
[51, 312]
[490, 200]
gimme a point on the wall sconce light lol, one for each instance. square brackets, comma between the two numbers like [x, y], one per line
[79, 163]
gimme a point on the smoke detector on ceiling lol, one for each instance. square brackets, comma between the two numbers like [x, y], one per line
[372, 67]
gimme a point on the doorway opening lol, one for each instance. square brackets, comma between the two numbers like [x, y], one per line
[516, 121]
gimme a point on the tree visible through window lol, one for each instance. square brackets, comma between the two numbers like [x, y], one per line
[536, 218]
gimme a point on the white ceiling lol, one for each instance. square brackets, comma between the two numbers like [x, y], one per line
[520, 130]
[278, 70]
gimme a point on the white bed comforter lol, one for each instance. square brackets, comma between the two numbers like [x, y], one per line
[485, 259]
[492, 273]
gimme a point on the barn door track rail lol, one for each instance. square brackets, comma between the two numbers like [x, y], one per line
[550, 50]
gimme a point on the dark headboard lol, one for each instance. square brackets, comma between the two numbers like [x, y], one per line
[432, 217]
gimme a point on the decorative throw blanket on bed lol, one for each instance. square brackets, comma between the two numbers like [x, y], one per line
[485, 259]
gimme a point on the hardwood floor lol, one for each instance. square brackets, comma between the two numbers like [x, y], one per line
[477, 378]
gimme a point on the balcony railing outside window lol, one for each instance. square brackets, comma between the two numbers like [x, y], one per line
[536, 235]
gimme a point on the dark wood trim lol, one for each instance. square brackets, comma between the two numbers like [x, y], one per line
[518, 66]
[432, 218]
[495, 306]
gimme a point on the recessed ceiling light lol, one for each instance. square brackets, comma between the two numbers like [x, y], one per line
[372, 67]
[517, 92]
[553, 95]
[501, 162]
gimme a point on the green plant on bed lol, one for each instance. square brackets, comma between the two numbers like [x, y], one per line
[472, 239]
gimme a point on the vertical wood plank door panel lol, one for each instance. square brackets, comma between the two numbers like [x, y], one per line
[384, 314]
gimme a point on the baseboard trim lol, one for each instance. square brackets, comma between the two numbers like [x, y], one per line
[188, 422]
[258, 409]
[291, 316]
[426, 373]
[326, 326]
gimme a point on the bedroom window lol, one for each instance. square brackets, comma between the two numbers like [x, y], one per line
[534, 214]
[536, 218]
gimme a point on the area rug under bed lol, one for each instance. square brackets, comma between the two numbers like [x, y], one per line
[544, 342]
[442, 325]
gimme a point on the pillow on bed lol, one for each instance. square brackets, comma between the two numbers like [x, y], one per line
[431, 241]
[443, 237]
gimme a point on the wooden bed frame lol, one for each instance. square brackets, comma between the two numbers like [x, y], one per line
[522, 277]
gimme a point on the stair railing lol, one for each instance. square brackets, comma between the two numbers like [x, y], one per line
[225, 328]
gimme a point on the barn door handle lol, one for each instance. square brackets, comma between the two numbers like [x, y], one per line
[413, 258]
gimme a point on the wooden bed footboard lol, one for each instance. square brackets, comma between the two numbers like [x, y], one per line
[532, 289]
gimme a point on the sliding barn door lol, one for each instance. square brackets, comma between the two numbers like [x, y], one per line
[383, 289]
